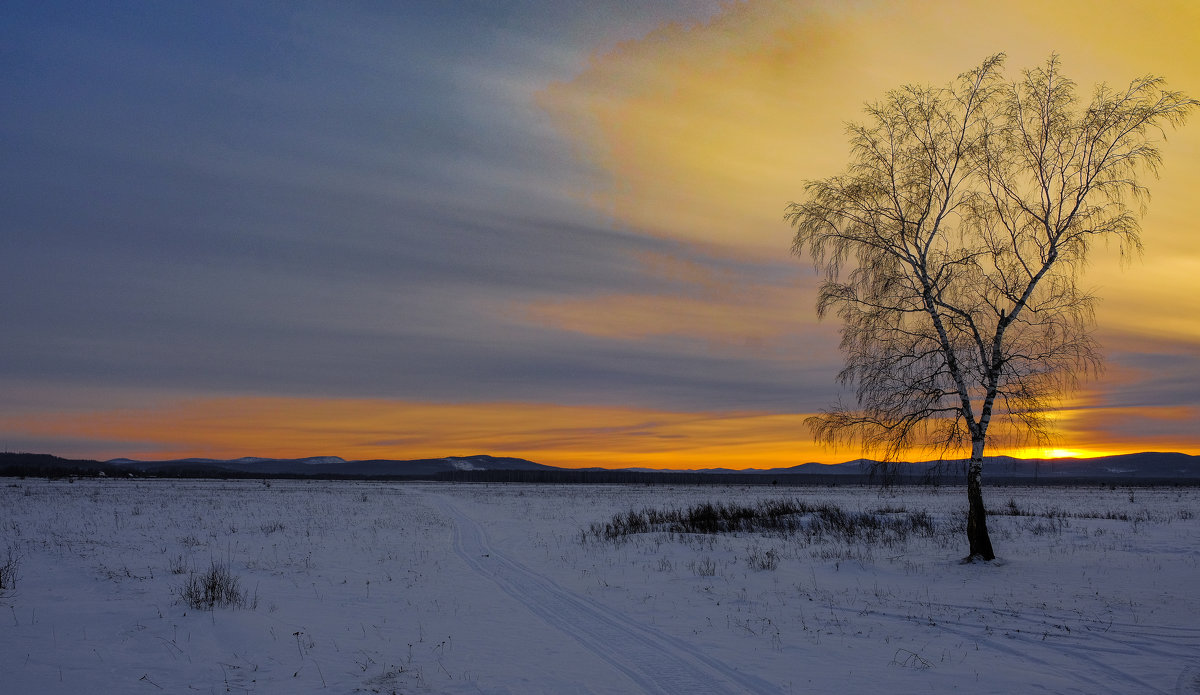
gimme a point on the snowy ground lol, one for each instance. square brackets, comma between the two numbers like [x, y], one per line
[429, 588]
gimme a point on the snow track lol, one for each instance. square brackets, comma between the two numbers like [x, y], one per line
[1086, 654]
[656, 662]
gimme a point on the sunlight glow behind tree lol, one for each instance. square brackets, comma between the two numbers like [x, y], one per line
[952, 249]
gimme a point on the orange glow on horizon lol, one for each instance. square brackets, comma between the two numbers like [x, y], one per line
[564, 436]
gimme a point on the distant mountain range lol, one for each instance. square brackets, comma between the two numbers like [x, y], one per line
[250, 466]
[1144, 467]
[318, 466]
[1161, 465]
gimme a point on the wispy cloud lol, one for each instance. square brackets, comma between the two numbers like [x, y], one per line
[573, 204]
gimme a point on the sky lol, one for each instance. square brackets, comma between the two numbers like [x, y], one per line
[549, 229]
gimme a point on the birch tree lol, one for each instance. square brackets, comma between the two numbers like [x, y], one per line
[951, 250]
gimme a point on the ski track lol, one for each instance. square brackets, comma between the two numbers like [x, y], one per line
[1088, 646]
[656, 662]
[1126, 638]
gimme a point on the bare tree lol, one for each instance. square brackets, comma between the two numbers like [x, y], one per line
[952, 247]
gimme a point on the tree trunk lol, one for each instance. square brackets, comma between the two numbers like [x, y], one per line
[977, 533]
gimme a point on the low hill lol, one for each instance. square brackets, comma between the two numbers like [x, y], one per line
[1147, 467]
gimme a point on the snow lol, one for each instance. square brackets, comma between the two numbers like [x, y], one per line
[444, 588]
[461, 464]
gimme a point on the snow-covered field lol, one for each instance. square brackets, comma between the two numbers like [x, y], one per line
[432, 588]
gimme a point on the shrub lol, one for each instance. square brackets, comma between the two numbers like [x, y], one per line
[759, 559]
[704, 567]
[216, 588]
[271, 527]
[9, 565]
[782, 517]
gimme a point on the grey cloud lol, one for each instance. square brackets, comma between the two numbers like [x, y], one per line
[241, 199]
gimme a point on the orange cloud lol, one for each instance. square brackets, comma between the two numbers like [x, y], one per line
[706, 131]
[363, 429]
[1086, 425]
[1157, 297]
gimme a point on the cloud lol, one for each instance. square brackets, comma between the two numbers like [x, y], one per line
[363, 429]
[563, 203]
[706, 130]
[1103, 430]
[716, 305]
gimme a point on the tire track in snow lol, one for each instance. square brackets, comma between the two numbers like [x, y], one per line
[657, 662]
